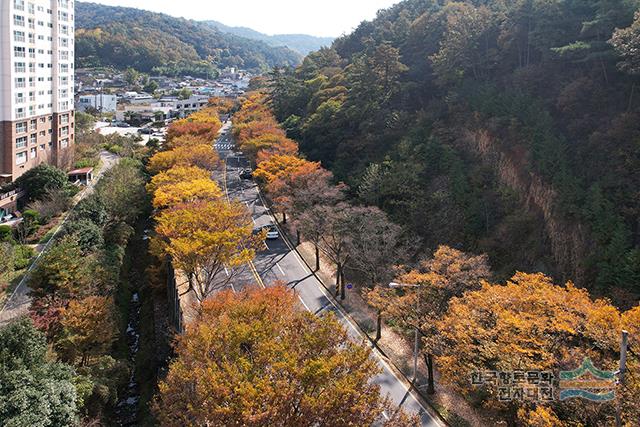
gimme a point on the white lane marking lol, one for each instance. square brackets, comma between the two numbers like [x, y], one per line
[226, 271]
[280, 268]
[384, 414]
[267, 246]
[305, 305]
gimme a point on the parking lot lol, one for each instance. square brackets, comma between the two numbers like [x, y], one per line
[105, 128]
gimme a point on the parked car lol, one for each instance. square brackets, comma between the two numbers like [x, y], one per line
[158, 134]
[145, 131]
[246, 174]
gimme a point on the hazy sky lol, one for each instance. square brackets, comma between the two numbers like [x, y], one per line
[317, 17]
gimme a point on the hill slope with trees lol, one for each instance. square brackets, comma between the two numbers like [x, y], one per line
[509, 128]
[154, 42]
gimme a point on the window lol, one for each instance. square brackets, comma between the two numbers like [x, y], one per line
[18, 20]
[33, 153]
[33, 139]
[21, 158]
[20, 82]
[32, 53]
[64, 143]
[20, 113]
[20, 99]
[64, 42]
[20, 67]
[18, 4]
[32, 8]
[21, 127]
[18, 36]
[64, 55]
[64, 119]
[42, 147]
[33, 125]
[42, 133]
[21, 142]
[32, 97]
[19, 52]
[32, 23]
[32, 67]
[32, 38]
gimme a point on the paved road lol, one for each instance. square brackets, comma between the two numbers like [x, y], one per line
[278, 262]
[18, 303]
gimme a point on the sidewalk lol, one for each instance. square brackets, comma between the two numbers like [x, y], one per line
[18, 303]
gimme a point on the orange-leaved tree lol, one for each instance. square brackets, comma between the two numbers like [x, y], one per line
[284, 146]
[185, 141]
[282, 172]
[202, 156]
[90, 328]
[255, 359]
[204, 124]
[425, 295]
[207, 240]
[529, 324]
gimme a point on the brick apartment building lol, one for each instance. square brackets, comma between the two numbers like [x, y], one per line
[36, 84]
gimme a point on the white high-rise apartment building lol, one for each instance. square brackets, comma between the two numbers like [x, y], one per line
[36, 84]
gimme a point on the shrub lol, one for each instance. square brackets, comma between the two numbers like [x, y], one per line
[22, 256]
[6, 233]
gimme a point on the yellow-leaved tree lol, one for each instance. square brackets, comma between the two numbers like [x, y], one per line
[205, 238]
[256, 359]
[202, 156]
[530, 324]
[173, 194]
[177, 175]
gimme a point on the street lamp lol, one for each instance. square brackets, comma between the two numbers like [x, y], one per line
[395, 285]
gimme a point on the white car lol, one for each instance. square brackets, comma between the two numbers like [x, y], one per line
[272, 232]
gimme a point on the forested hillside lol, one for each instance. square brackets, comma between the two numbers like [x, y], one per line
[301, 43]
[154, 42]
[511, 128]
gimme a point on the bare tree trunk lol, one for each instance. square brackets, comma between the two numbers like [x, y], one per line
[338, 276]
[317, 258]
[379, 326]
[342, 285]
[284, 217]
[297, 237]
[428, 359]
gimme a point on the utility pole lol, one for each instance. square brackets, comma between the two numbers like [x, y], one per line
[624, 343]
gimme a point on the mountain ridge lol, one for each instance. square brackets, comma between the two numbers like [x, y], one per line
[159, 43]
[301, 43]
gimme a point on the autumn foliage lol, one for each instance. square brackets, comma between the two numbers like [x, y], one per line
[254, 358]
[204, 235]
[204, 124]
[202, 156]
